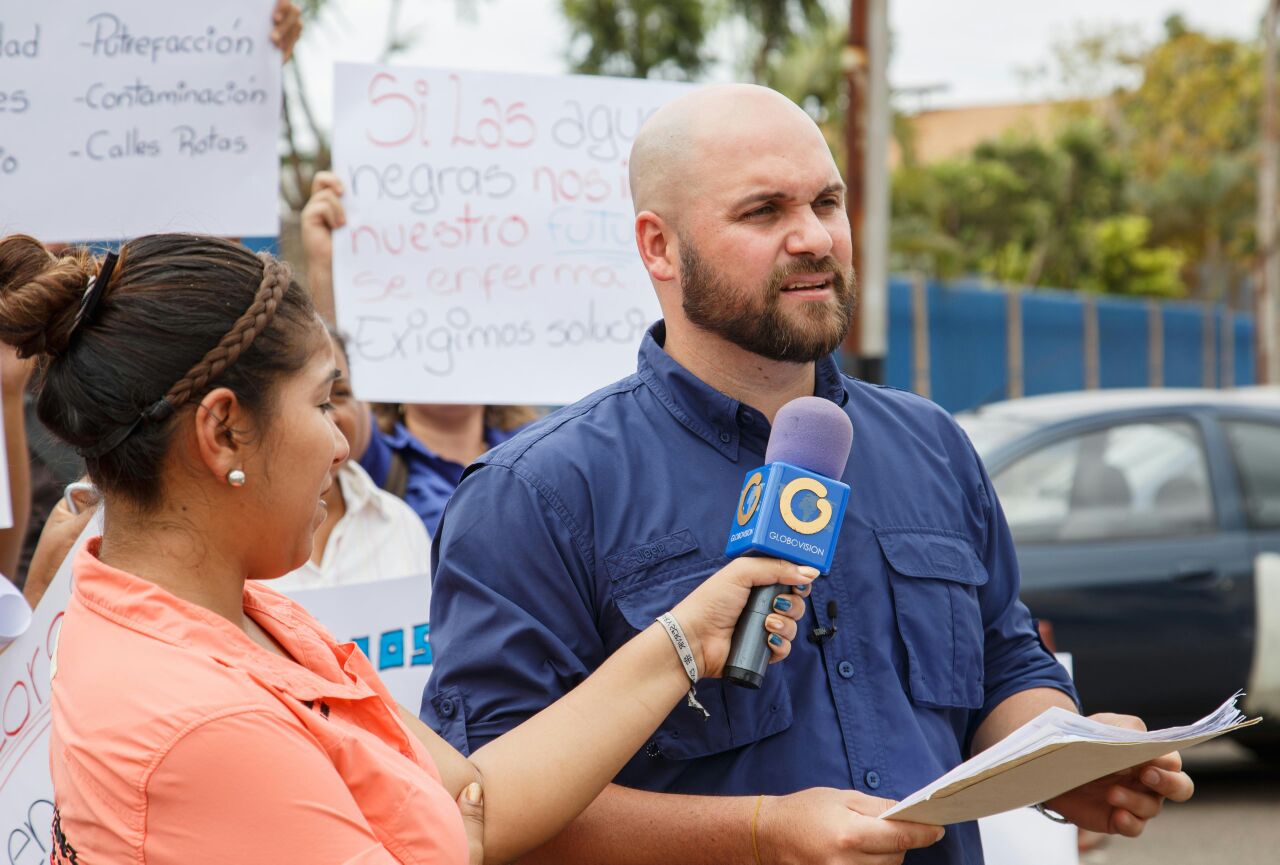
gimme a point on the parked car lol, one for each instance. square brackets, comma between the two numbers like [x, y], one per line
[1138, 516]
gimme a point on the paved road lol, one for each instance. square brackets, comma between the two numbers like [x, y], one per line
[1234, 818]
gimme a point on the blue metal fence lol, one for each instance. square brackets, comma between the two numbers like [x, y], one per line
[1068, 341]
[1124, 343]
[971, 325]
[1052, 343]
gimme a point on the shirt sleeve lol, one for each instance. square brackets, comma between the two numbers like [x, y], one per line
[512, 614]
[247, 787]
[1015, 659]
[376, 459]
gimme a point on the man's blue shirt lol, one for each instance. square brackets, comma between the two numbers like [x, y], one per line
[431, 477]
[563, 543]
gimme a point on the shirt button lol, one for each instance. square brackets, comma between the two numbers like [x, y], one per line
[725, 437]
[872, 778]
[447, 708]
[845, 669]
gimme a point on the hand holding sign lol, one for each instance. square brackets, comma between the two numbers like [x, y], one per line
[286, 27]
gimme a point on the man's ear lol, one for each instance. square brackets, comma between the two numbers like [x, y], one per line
[658, 246]
[220, 437]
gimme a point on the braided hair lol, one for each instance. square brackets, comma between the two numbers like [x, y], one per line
[178, 316]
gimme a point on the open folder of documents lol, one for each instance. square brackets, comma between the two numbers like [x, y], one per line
[1050, 754]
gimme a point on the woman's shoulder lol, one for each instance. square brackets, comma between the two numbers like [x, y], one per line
[115, 684]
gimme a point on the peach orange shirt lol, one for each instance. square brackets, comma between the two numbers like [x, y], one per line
[176, 738]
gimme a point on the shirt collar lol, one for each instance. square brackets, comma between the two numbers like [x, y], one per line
[322, 670]
[401, 439]
[358, 490]
[718, 419]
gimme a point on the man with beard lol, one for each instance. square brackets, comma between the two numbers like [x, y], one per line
[562, 543]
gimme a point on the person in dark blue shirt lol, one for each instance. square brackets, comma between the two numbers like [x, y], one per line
[562, 543]
[421, 453]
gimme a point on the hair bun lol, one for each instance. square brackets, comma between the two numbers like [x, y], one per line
[40, 294]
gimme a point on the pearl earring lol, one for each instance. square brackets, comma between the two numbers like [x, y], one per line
[236, 477]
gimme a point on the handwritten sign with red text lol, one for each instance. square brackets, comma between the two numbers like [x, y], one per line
[26, 671]
[489, 253]
[125, 117]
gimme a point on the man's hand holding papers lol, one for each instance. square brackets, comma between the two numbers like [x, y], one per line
[1121, 803]
[1093, 771]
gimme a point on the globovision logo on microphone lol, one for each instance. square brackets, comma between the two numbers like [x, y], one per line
[788, 512]
[750, 498]
[787, 506]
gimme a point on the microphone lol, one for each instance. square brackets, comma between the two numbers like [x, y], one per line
[819, 634]
[790, 508]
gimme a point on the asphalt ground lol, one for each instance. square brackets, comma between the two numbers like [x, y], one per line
[1233, 819]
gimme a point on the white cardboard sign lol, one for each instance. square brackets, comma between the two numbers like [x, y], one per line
[26, 670]
[125, 117]
[388, 620]
[489, 252]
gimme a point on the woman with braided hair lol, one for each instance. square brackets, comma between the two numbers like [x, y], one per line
[199, 716]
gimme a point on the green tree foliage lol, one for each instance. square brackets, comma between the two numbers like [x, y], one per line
[1123, 263]
[1148, 190]
[638, 38]
[1017, 209]
[1198, 99]
[1189, 130]
[780, 26]
[807, 68]
[667, 38]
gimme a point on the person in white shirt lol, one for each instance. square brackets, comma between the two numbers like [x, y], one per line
[368, 534]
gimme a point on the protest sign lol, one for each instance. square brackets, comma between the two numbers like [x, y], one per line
[26, 670]
[489, 253]
[387, 619]
[125, 117]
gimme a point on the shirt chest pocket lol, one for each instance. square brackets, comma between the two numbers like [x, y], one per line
[935, 578]
[650, 585]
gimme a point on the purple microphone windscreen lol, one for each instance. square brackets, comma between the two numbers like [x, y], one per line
[812, 433]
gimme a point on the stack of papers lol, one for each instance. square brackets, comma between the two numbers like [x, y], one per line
[1051, 754]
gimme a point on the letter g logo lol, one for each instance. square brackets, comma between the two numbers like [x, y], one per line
[751, 490]
[790, 491]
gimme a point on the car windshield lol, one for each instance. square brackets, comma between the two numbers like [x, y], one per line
[988, 433]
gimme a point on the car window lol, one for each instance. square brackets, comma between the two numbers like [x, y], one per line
[1130, 480]
[988, 433]
[1256, 447]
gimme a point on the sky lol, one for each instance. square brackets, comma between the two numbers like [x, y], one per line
[973, 49]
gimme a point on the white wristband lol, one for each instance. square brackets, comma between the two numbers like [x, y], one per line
[676, 634]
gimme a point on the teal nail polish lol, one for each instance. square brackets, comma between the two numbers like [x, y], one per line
[775, 640]
[782, 605]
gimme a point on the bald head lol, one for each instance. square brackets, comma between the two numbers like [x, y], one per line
[684, 138]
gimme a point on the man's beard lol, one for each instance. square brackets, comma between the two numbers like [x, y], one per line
[757, 323]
